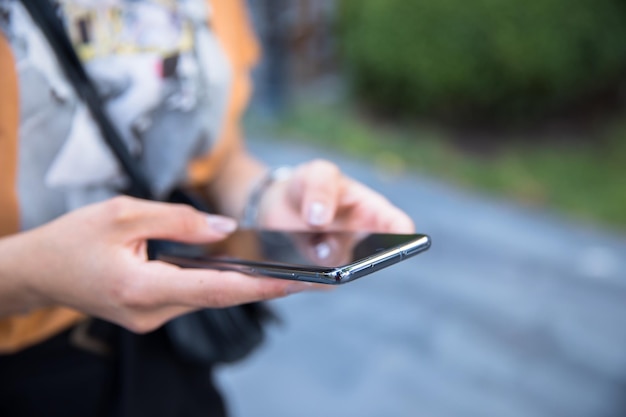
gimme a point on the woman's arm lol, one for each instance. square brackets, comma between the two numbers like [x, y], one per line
[230, 188]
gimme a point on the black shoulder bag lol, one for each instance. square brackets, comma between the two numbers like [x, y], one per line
[205, 337]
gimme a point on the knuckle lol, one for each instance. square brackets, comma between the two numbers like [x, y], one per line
[182, 218]
[268, 288]
[131, 294]
[225, 296]
[186, 218]
[219, 300]
[121, 210]
[267, 292]
[323, 165]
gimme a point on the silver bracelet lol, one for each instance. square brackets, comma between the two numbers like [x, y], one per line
[250, 216]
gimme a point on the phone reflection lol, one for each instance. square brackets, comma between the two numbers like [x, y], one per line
[323, 249]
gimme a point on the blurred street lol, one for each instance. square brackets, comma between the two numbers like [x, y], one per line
[512, 312]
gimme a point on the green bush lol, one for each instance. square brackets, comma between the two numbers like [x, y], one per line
[489, 58]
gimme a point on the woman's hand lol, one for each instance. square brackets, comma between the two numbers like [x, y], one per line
[94, 260]
[319, 196]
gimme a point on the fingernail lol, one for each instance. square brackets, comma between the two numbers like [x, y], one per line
[298, 287]
[322, 250]
[221, 224]
[317, 214]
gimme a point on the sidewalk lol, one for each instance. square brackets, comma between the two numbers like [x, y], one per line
[511, 313]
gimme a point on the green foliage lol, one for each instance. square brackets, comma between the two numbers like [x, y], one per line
[502, 58]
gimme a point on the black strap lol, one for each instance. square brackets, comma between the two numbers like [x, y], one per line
[46, 17]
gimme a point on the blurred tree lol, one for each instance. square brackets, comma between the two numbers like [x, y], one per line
[483, 59]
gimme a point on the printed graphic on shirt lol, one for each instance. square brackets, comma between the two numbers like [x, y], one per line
[163, 77]
[103, 28]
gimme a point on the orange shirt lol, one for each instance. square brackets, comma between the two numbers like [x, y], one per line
[231, 26]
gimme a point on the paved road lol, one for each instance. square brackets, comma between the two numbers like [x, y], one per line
[512, 313]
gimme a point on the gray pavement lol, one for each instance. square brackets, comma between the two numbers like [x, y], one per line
[513, 312]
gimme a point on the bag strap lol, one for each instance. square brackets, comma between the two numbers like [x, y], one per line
[45, 16]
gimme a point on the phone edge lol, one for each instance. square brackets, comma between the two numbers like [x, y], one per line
[382, 260]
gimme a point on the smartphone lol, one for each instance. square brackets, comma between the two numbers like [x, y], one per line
[321, 257]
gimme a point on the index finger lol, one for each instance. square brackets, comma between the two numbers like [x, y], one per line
[320, 184]
[142, 219]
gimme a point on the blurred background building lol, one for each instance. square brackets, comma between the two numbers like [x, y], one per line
[299, 48]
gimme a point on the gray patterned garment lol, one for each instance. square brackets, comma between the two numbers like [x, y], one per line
[166, 82]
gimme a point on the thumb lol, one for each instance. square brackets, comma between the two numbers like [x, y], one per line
[155, 220]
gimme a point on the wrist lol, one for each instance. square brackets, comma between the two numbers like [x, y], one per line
[252, 210]
[17, 293]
